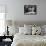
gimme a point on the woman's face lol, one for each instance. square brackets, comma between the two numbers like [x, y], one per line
[30, 9]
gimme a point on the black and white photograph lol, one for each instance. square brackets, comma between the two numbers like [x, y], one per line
[30, 9]
[22, 23]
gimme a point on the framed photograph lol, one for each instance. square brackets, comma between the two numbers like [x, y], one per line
[30, 9]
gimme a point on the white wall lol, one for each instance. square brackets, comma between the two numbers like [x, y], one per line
[15, 9]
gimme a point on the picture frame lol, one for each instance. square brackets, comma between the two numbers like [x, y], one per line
[30, 9]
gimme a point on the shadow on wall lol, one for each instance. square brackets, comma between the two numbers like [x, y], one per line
[21, 23]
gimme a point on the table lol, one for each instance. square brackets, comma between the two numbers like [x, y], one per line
[5, 43]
